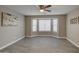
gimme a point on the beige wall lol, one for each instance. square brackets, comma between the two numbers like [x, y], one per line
[62, 25]
[11, 33]
[73, 29]
[28, 26]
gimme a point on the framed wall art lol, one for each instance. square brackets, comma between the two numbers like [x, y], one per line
[8, 19]
[74, 20]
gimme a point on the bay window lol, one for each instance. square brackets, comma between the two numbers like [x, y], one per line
[45, 25]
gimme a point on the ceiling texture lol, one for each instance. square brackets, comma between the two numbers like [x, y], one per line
[35, 10]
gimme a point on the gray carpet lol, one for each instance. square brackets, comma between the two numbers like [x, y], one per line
[41, 45]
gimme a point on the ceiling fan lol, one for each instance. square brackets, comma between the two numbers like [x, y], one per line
[44, 8]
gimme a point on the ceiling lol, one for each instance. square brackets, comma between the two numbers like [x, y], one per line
[34, 9]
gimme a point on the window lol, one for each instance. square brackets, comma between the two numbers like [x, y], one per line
[44, 25]
[34, 25]
[55, 23]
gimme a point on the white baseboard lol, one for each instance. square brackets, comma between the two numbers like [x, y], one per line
[47, 35]
[30, 36]
[72, 42]
[43, 35]
[62, 37]
[11, 43]
[38, 35]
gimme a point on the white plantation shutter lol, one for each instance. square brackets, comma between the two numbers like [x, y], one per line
[55, 23]
[34, 25]
[44, 25]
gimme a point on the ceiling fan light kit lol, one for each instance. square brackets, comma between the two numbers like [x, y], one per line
[41, 10]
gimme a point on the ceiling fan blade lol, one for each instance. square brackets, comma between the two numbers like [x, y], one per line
[47, 6]
[48, 10]
[41, 6]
